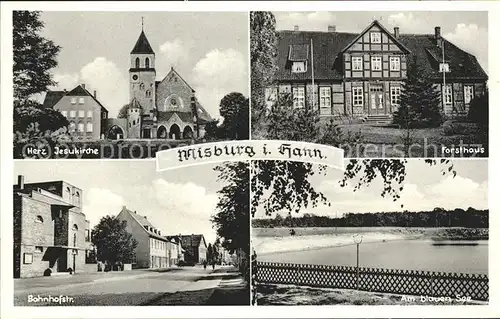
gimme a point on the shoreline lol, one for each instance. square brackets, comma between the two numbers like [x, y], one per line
[441, 236]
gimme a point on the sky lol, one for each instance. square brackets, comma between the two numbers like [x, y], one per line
[208, 49]
[424, 188]
[175, 201]
[466, 29]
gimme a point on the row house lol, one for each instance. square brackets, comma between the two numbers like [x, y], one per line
[361, 74]
[51, 233]
[153, 249]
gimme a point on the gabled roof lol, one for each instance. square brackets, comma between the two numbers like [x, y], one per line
[52, 97]
[328, 48]
[142, 45]
[389, 34]
[172, 70]
[188, 241]
[143, 222]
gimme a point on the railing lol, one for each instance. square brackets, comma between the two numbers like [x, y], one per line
[406, 282]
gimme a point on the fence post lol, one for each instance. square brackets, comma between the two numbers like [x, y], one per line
[357, 266]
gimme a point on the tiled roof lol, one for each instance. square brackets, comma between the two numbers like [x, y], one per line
[327, 47]
[52, 97]
[142, 45]
[144, 222]
[188, 241]
[187, 117]
[298, 52]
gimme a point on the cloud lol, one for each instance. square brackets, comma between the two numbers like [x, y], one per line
[172, 54]
[218, 73]
[103, 76]
[311, 21]
[184, 208]
[472, 39]
[100, 202]
[459, 192]
[408, 23]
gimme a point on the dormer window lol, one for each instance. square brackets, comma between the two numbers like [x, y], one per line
[299, 67]
[375, 37]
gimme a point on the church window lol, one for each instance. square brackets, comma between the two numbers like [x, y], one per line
[147, 63]
[141, 86]
[148, 93]
[137, 63]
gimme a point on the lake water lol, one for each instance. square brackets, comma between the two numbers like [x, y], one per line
[402, 254]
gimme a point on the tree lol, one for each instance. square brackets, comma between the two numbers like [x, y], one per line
[122, 114]
[263, 55]
[234, 109]
[419, 102]
[34, 56]
[112, 241]
[231, 221]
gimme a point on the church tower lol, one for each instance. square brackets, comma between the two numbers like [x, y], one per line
[142, 75]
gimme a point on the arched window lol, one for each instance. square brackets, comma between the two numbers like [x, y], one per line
[67, 193]
[137, 63]
[77, 198]
[148, 93]
[39, 219]
[75, 227]
[147, 63]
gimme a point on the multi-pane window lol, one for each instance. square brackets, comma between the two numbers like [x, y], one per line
[395, 95]
[89, 114]
[80, 127]
[468, 93]
[375, 37]
[89, 127]
[73, 100]
[299, 67]
[72, 113]
[395, 63]
[72, 126]
[357, 63]
[298, 97]
[81, 100]
[64, 113]
[448, 94]
[376, 63]
[357, 96]
[81, 113]
[325, 97]
[271, 96]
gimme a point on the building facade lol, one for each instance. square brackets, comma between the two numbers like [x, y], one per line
[51, 234]
[166, 109]
[83, 110]
[360, 75]
[153, 250]
[195, 248]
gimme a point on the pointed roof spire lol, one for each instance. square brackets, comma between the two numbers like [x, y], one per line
[142, 45]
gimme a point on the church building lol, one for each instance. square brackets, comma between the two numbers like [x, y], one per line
[166, 109]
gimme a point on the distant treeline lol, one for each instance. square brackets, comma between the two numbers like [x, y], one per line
[436, 218]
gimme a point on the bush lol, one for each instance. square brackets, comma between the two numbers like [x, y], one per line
[478, 109]
[47, 272]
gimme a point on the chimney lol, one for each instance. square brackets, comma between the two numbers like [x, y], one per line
[95, 94]
[20, 181]
[437, 36]
[65, 91]
[145, 217]
[332, 28]
[295, 28]
[396, 32]
[159, 232]
[83, 85]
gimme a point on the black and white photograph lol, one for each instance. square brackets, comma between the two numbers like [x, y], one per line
[372, 82]
[127, 84]
[382, 232]
[117, 233]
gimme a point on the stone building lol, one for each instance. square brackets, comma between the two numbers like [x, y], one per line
[360, 74]
[51, 234]
[82, 109]
[153, 249]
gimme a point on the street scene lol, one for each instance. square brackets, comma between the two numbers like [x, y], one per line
[173, 238]
[183, 285]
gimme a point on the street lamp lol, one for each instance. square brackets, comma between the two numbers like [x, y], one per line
[358, 239]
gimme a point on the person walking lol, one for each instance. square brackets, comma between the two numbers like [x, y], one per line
[204, 264]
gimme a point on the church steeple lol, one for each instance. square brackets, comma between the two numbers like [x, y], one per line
[142, 45]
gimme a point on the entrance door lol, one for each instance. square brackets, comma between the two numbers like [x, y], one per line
[377, 105]
[146, 133]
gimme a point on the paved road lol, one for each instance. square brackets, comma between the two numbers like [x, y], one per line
[181, 286]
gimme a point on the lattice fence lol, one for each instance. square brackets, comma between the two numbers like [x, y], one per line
[406, 282]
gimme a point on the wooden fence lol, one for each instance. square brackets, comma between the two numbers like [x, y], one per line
[406, 282]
